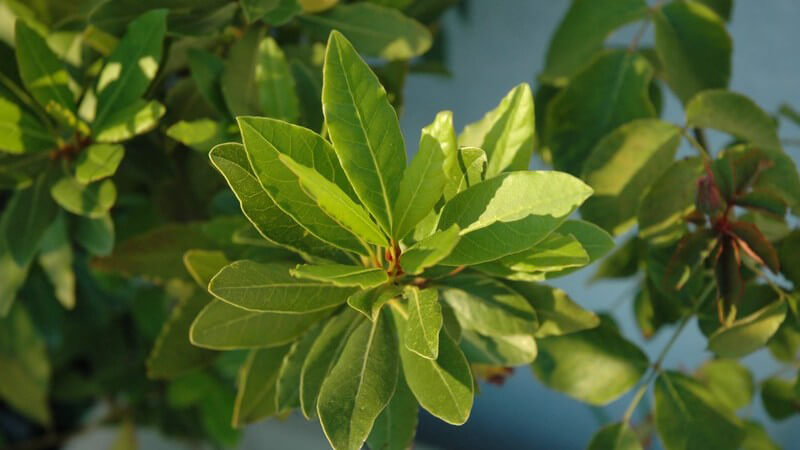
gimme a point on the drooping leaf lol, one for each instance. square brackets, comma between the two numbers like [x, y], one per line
[288, 384]
[734, 114]
[509, 213]
[97, 162]
[424, 321]
[689, 416]
[622, 166]
[429, 251]
[556, 312]
[395, 427]
[421, 186]
[617, 436]
[694, 46]
[221, 326]
[505, 133]
[276, 88]
[581, 34]
[123, 123]
[360, 384]
[342, 275]
[373, 29]
[56, 258]
[616, 363]
[748, 333]
[258, 377]
[20, 131]
[670, 199]
[130, 69]
[778, 397]
[729, 381]
[364, 129]
[581, 114]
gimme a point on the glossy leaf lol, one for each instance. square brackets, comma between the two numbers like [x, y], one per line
[429, 251]
[364, 129]
[342, 275]
[424, 321]
[97, 162]
[734, 114]
[421, 186]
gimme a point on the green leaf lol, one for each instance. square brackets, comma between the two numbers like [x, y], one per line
[201, 135]
[468, 169]
[206, 69]
[21, 132]
[92, 201]
[395, 427]
[360, 385]
[443, 387]
[130, 69]
[276, 89]
[43, 74]
[323, 355]
[285, 11]
[617, 436]
[594, 240]
[555, 253]
[288, 384]
[778, 398]
[424, 321]
[364, 129]
[30, 214]
[374, 30]
[270, 221]
[688, 416]
[238, 79]
[221, 326]
[581, 114]
[729, 381]
[501, 351]
[421, 186]
[488, 306]
[342, 275]
[271, 288]
[616, 363]
[445, 134]
[734, 114]
[97, 162]
[265, 140]
[173, 354]
[309, 92]
[429, 251]
[694, 46]
[581, 35]
[756, 437]
[258, 377]
[370, 301]
[336, 203]
[56, 258]
[670, 199]
[556, 312]
[510, 213]
[748, 333]
[19, 171]
[125, 122]
[255, 9]
[622, 166]
[203, 265]
[505, 133]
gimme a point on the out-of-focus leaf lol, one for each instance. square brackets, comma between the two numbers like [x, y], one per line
[734, 114]
[670, 199]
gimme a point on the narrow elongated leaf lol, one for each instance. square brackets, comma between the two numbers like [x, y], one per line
[342, 275]
[580, 115]
[424, 321]
[271, 288]
[258, 377]
[748, 333]
[616, 363]
[29, 216]
[126, 122]
[756, 244]
[688, 416]
[582, 32]
[469, 169]
[131, 67]
[443, 131]
[556, 252]
[510, 213]
[395, 427]
[556, 312]
[221, 326]
[443, 387]
[505, 133]
[20, 131]
[309, 92]
[276, 89]
[43, 75]
[374, 30]
[421, 186]
[288, 384]
[618, 436]
[56, 258]
[734, 114]
[504, 351]
[97, 162]
[336, 203]
[238, 80]
[270, 221]
[92, 201]
[669, 200]
[322, 356]
[370, 301]
[429, 251]
[695, 47]
[489, 307]
[265, 140]
[206, 69]
[364, 129]
[622, 166]
[360, 384]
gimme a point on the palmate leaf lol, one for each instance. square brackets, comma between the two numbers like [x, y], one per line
[364, 129]
[271, 288]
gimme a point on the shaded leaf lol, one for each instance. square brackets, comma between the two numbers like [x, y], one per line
[342, 275]
[126, 122]
[748, 333]
[556, 312]
[734, 114]
[276, 88]
[617, 436]
[98, 161]
[258, 377]
[670, 199]
[395, 427]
